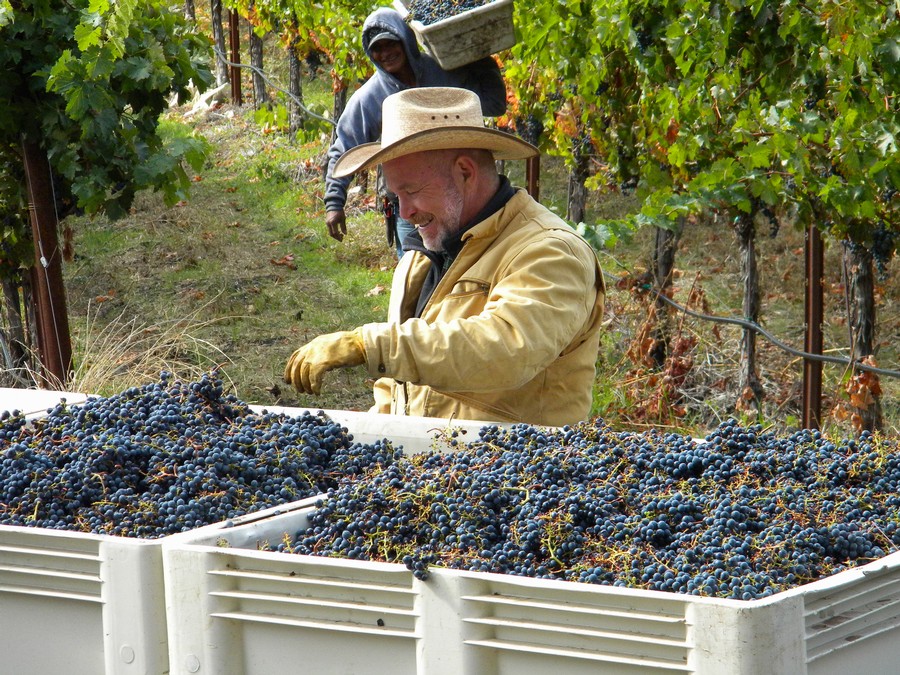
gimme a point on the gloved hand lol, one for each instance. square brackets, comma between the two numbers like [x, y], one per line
[308, 365]
[337, 224]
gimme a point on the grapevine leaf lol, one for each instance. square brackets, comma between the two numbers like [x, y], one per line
[887, 143]
[137, 68]
[6, 13]
[87, 36]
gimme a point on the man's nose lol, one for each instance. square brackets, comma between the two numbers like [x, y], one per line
[406, 210]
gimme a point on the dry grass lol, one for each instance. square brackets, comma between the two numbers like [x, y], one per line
[112, 355]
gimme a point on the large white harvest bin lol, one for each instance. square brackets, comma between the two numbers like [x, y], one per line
[64, 595]
[233, 608]
[468, 36]
[239, 610]
[74, 603]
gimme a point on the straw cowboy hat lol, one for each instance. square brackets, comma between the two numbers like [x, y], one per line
[431, 118]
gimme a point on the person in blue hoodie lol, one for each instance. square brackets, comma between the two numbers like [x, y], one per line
[399, 64]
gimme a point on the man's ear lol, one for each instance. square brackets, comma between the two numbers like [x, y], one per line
[467, 166]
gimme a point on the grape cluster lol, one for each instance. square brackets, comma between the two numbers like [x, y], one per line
[743, 515]
[428, 12]
[530, 128]
[884, 245]
[582, 144]
[771, 217]
[168, 457]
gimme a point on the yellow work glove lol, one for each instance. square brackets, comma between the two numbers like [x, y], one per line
[308, 365]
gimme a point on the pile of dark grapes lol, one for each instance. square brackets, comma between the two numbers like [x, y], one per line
[428, 12]
[168, 457]
[743, 515]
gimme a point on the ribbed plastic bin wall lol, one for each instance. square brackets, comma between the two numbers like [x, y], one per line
[468, 36]
[233, 608]
[63, 596]
[73, 603]
[849, 623]
[238, 610]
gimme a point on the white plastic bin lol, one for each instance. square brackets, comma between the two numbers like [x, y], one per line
[232, 606]
[239, 610]
[468, 36]
[66, 596]
[74, 603]
[77, 603]
[414, 434]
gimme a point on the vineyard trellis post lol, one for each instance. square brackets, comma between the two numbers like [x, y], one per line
[52, 320]
[812, 369]
[235, 44]
[533, 177]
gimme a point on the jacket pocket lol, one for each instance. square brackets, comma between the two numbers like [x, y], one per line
[466, 288]
[466, 298]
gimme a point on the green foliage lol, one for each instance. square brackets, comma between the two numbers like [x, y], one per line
[603, 235]
[705, 106]
[727, 107]
[273, 117]
[333, 28]
[15, 247]
[88, 80]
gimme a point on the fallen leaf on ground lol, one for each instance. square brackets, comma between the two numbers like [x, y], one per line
[285, 261]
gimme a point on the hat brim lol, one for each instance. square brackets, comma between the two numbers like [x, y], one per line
[383, 35]
[503, 145]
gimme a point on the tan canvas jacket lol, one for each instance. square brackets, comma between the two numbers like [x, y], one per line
[510, 334]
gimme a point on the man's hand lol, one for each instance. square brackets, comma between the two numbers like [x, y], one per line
[337, 224]
[308, 365]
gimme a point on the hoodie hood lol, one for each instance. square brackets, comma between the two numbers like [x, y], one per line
[387, 20]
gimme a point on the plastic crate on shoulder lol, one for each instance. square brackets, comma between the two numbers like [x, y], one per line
[468, 36]
[231, 604]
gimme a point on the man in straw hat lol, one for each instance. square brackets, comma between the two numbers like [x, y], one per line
[496, 308]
